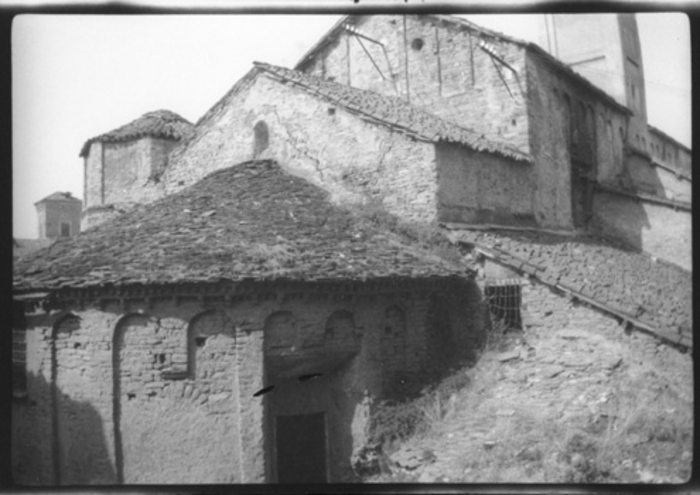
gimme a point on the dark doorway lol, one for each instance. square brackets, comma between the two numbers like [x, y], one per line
[301, 448]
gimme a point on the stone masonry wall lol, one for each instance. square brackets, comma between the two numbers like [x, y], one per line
[478, 187]
[352, 159]
[165, 394]
[127, 166]
[566, 122]
[545, 310]
[655, 229]
[94, 179]
[437, 67]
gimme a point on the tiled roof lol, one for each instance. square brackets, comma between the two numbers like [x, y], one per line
[159, 124]
[390, 111]
[252, 221]
[633, 283]
[59, 196]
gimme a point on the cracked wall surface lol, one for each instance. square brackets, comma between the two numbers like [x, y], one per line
[354, 160]
[135, 394]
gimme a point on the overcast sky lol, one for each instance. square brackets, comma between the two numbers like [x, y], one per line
[74, 77]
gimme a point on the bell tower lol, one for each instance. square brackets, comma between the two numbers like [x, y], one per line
[605, 49]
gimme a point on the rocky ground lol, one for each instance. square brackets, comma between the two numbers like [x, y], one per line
[570, 406]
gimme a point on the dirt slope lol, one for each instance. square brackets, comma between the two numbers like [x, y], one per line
[575, 405]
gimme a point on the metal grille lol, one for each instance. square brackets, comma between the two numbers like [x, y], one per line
[504, 303]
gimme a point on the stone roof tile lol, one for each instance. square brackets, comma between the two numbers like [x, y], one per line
[613, 275]
[391, 111]
[159, 124]
[250, 221]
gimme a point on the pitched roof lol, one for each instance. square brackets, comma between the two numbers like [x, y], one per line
[657, 293]
[159, 124]
[459, 21]
[390, 111]
[252, 221]
[59, 196]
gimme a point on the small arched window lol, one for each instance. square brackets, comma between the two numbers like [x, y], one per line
[262, 138]
[340, 330]
[280, 331]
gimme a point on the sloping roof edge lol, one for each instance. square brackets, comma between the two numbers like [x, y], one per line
[457, 21]
[125, 133]
[67, 197]
[491, 146]
[213, 111]
[661, 133]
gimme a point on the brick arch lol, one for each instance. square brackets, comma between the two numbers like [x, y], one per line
[127, 333]
[210, 337]
[280, 330]
[393, 336]
[67, 323]
[340, 330]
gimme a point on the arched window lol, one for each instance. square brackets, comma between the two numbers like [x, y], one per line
[280, 331]
[340, 330]
[210, 341]
[262, 138]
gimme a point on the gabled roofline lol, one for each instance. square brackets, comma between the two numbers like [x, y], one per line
[464, 23]
[269, 71]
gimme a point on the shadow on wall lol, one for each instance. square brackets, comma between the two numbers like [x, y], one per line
[74, 453]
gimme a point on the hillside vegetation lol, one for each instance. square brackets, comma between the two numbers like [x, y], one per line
[564, 407]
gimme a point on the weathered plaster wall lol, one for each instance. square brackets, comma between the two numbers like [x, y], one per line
[326, 145]
[657, 181]
[478, 187]
[115, 414]
[437, 67]
[655, 229]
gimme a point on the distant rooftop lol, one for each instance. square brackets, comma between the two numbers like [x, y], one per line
[59, 196]
[252, 221]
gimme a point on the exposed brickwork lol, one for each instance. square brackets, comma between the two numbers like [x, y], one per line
[437, 77]
[479, 188]
[112, 358]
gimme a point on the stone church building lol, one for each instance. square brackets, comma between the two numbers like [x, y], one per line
[236, 298]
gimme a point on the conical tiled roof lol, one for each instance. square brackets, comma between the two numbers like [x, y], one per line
[159, 124]
[252, 221]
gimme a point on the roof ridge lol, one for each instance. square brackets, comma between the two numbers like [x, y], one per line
[157, 123]
[436, 128]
